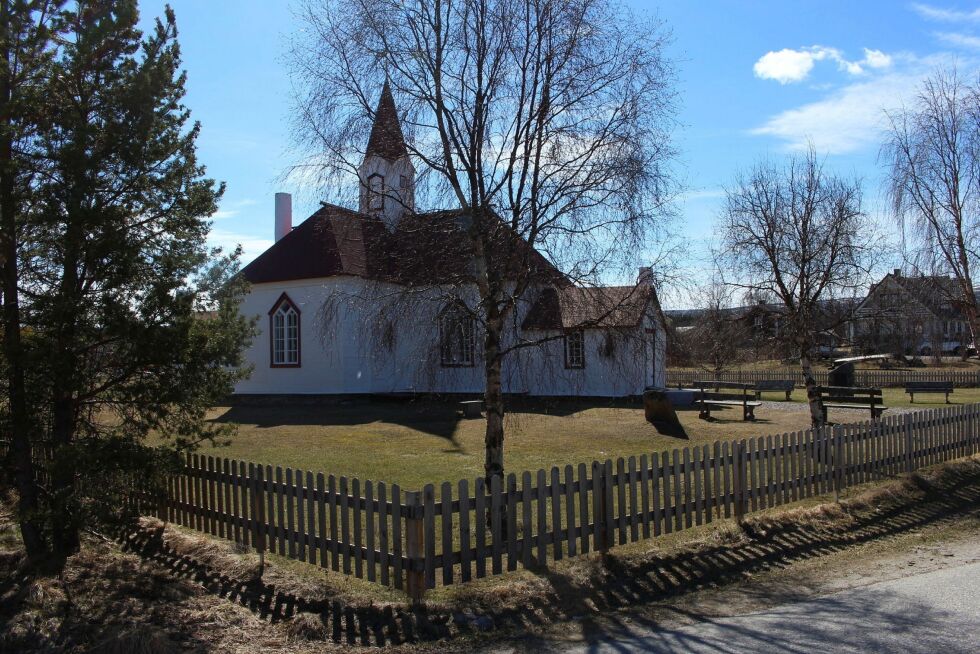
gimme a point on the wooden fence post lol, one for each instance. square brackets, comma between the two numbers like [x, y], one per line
[909, 443]
[600, 487]
[257, 512]
[414, 537]
[971, 425]
[163, 501]
[836, 459]
[738, 479]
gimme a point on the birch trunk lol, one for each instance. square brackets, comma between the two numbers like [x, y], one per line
[812, 395]
[494, 399]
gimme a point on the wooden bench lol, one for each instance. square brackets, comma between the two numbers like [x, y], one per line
[471, 408]
[928, 387]
[725, 394]
[786, 385]
[846, 397]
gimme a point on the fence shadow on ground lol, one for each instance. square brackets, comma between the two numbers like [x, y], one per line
[770, 543]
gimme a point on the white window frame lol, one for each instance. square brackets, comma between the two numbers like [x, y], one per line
[457, 337]
[575, 349]
[284, 334]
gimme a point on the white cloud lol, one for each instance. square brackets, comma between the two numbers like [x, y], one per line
[233, 209]
[702, 194]
[848, 119]
[252, 246]
[852, 117]
[785, 65]
[788, 65]
[959, 40]
[876, 59]
[932, 12]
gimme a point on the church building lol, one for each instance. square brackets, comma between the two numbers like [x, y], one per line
[369, 302]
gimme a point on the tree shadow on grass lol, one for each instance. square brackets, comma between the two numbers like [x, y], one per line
[594, 601]
[440, 419]
[435, 416]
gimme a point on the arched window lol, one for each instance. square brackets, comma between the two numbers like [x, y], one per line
[284, 334]
[456, 336]
[376, 191]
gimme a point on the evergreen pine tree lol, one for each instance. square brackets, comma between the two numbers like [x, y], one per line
[132, 320]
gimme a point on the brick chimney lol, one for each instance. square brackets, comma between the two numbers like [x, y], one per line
[284, 214]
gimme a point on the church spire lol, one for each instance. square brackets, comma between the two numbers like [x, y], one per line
[387, 176]
[386, 138]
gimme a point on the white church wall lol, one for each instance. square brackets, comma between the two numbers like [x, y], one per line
[345, 349]
[324, 368]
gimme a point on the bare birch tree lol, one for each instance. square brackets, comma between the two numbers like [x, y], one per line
[716, 341]
[546, 124]
[934, 156]
[797, 233]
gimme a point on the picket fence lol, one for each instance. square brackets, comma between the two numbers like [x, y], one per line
[460, 531]
[863, 378]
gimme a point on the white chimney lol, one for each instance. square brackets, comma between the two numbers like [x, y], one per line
[645, 276]
[284, 214]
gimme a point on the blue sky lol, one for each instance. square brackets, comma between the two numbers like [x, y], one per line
[755, 79]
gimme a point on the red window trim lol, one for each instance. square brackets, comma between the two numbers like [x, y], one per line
[285, 299]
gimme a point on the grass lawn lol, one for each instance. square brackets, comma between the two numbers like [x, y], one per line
[428, 442]
[414, 443]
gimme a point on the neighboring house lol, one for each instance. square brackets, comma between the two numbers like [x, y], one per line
[323, 291]
[763, 321]
[911, 315]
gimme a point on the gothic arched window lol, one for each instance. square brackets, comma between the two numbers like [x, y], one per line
[284, 334]
[457, 330]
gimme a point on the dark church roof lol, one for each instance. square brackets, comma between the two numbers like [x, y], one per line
[386, 140]
[595, 307]
[333, 241]
[425, 248]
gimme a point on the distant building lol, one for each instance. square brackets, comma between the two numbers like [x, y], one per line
[915, 315]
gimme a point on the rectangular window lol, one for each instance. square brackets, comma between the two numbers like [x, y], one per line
[575, 349]
[376, 192]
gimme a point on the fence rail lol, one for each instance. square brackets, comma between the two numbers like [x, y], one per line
[460, 531]
[866, 377]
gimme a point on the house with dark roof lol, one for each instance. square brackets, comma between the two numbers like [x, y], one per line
[911, 314]
[378, 300]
